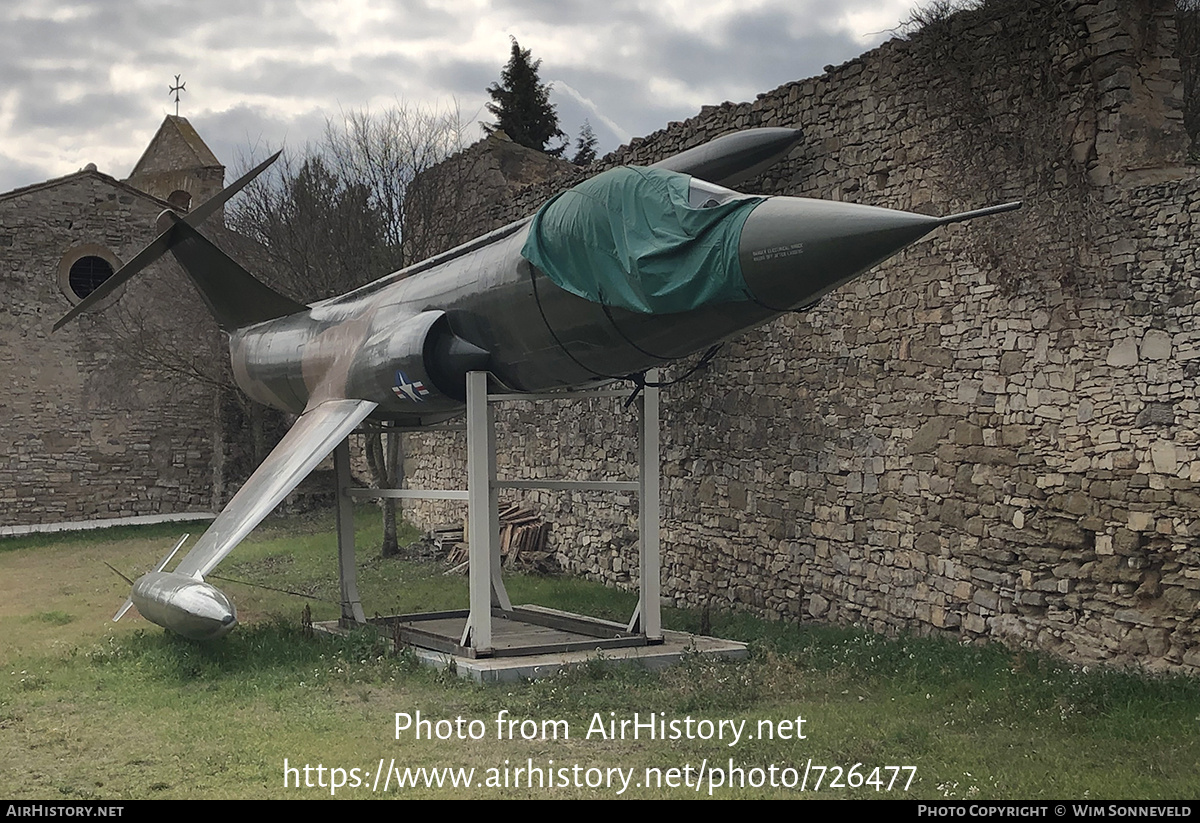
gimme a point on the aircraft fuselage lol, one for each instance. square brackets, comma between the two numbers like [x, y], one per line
[630, 270]
[379, 342]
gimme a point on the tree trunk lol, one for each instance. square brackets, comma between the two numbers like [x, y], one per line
[385, 457]
[218, 449]
[258, 432]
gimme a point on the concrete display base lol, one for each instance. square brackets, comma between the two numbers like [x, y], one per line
[512, 637]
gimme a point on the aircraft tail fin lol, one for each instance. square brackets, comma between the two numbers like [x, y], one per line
[234, 296]
[121, 611]
[162, 564]
[239, 298]
[117, 573]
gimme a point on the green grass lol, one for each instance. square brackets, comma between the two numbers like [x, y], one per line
[89, 709]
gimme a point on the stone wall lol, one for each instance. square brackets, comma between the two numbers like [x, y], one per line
[995, 434]
[1187, 20]
[83, 433]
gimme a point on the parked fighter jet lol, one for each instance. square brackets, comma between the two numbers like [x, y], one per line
[631, 269]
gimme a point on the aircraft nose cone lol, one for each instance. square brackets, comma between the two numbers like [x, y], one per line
[793, 250]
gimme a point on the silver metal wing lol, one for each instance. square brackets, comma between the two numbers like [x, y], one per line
[310, 440]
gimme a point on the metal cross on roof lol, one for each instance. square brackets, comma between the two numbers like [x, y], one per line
[175, 89]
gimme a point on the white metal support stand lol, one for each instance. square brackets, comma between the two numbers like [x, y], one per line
[648, 621]
[486, 587]
[483, 518]
[352, 610]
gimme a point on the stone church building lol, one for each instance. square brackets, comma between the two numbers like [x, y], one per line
[101, 420]
[85, 432]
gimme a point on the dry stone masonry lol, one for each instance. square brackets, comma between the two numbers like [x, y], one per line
[994, 435]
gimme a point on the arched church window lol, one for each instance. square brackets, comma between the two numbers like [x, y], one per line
[180, 199]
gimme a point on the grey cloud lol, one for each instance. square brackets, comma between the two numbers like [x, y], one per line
[387, 73]
[15, 173]
[115, 31]
[78, 116]
[412, 19]
[566, 12]
[776, 57]
[24, 40]
[243, 133]
[622, 45]
[464, 78]
[101, 30]
[746, 53]
[292, 78]
[625, 98]
[298, 33]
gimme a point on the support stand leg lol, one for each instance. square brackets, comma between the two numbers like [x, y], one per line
[649, 614]
[352, 610]
[499, 593]
[483, 514]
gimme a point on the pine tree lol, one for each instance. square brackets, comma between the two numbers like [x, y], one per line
[585, 146]
[522, 106]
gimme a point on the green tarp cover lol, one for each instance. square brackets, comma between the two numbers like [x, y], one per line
[628, 238]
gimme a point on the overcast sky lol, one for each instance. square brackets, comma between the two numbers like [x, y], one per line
[86, 81]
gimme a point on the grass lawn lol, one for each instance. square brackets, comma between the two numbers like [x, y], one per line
[95, 710]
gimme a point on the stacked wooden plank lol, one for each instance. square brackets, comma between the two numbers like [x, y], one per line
[447, 540]
[524, 536]
[524, 542]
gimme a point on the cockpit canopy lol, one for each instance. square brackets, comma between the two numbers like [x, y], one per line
[647, 240]
[704, 195]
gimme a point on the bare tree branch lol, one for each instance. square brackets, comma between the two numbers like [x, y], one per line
[373, 197]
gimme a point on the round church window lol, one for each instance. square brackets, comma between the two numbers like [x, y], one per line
[83, 268]
[87, 273]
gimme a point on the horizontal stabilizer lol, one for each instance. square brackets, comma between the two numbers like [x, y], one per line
[162, 564]
[144, 258]
[128, 601]
[162, 244]
[202, 212]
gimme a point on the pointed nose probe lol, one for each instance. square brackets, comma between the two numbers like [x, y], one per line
[793, 250]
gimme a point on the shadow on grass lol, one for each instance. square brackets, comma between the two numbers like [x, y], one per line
[260, 650]
[981, 682]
